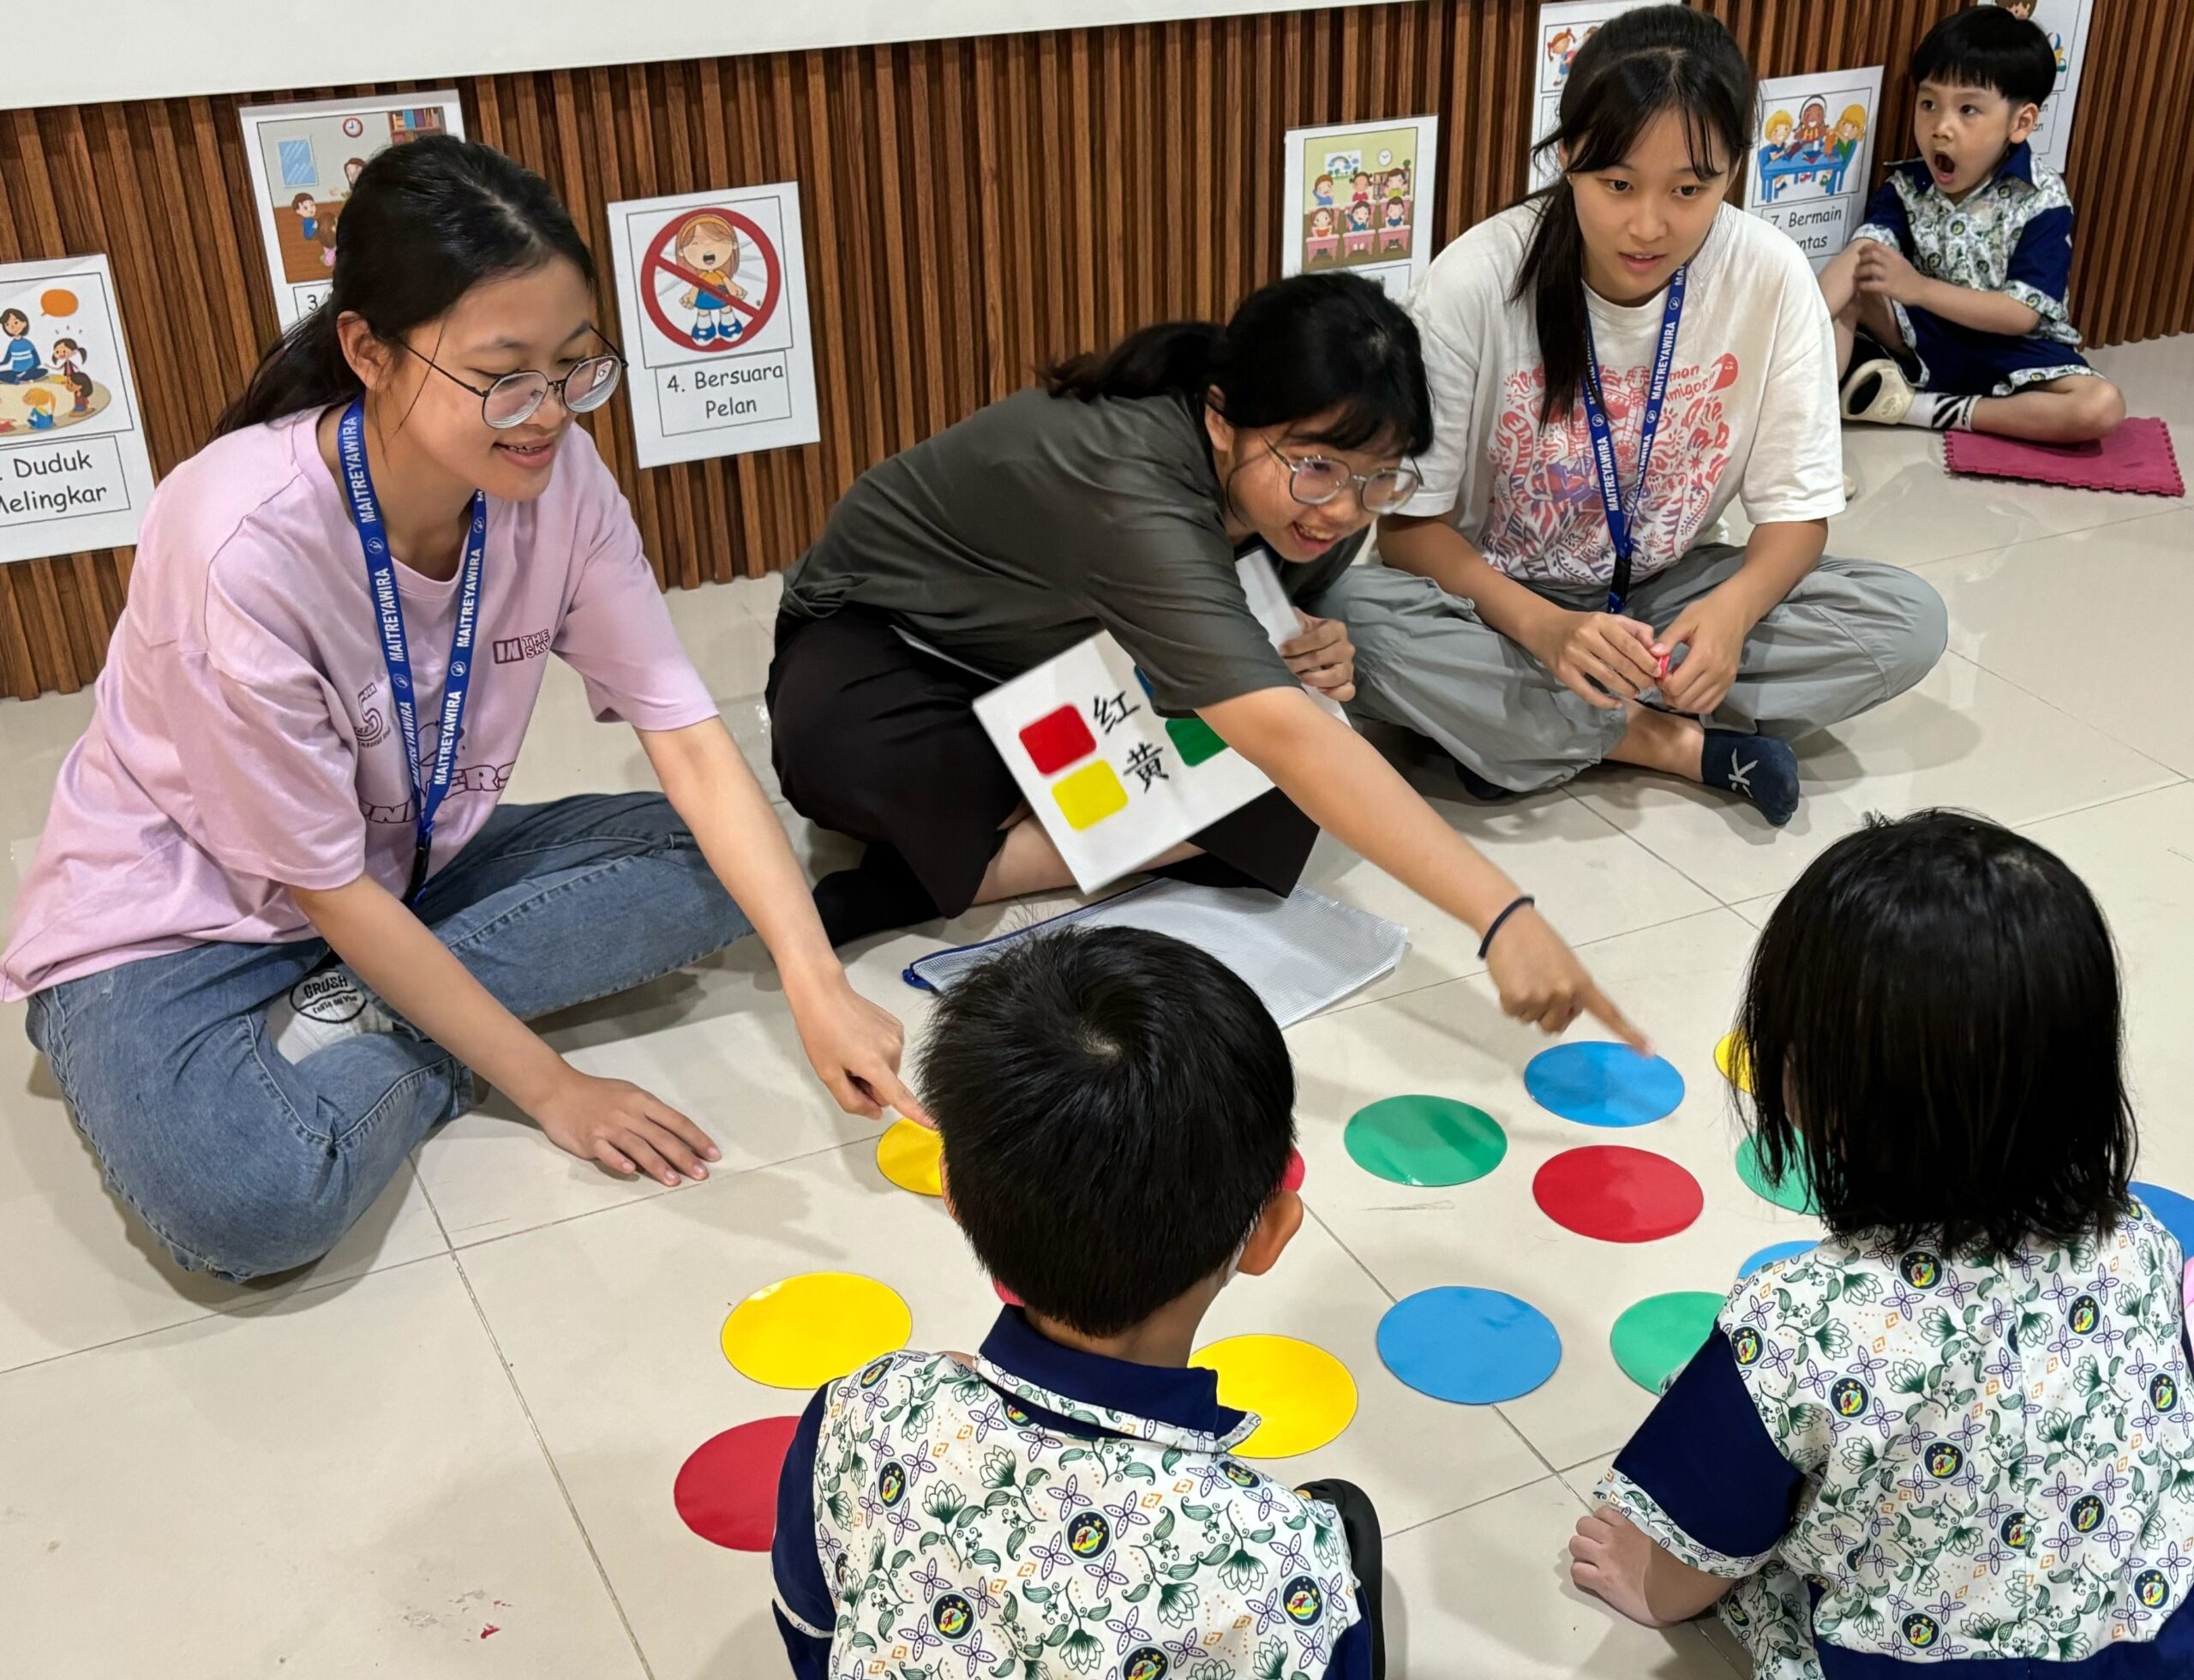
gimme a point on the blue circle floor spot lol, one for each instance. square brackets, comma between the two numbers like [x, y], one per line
[2176, 1211]
[1603, 1084]
[1473, 1346]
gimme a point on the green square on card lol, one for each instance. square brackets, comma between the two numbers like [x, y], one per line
[1194, 740]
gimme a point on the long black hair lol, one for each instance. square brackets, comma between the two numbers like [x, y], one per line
[1936, 1036]
[1637, 65]
[1306, 346]
[429, 220]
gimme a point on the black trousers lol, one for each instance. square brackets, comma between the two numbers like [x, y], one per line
[1366, 1556]
[879, 741]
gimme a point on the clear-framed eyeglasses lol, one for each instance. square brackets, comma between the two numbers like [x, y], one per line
[515, 399]
[1313, 481]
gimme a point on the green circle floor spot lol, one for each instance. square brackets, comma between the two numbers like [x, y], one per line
[1425, 1140]
[1655, 1339]
[1794, 1191]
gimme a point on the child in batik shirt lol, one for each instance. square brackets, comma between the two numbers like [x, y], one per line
[1117, 1113]
[1958, 1432]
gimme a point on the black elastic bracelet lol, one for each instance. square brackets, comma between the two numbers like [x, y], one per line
[1486, 944]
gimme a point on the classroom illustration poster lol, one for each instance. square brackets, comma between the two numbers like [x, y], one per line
[305, 159]
[1360, 197]
[712, 299]
[1564, 27]
[1812, 154]
[74, 470]
[2066, 22]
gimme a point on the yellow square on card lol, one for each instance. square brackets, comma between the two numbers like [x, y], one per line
[1090, 796]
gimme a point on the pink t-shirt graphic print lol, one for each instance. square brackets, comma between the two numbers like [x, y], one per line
[1545, 520]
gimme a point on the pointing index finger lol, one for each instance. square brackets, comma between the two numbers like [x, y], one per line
[1598, 1005]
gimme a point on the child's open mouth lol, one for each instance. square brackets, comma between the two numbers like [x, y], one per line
[1944, 165]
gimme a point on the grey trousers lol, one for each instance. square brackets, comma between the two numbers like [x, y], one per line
[1853, 633]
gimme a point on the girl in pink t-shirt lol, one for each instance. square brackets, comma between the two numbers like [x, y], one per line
[260, 977]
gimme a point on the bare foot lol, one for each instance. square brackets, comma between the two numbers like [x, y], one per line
[1608, 1555]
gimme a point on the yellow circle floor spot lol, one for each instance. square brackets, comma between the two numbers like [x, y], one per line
[806, 1330]
[1303, 1396]
[907, 1154]
[1736, 1066]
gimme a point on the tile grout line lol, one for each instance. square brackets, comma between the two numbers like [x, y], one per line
[1476, 973]
[1379, 1284]
[232, 1310]
[661, 1192]
[548, 1458]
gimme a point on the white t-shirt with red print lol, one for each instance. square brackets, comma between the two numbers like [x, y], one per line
[1751, 410]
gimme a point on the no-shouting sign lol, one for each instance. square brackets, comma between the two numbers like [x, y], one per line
[712, 292]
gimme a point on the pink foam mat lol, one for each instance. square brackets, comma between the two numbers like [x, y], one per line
[2136, 458]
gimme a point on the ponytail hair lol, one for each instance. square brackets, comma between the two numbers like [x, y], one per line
[1639, 65]
[429, 220]
[1330, 347]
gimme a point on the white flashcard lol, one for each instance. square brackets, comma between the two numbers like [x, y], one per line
[1360, 197]
[74, 469]
[1114, 783]
[1812, 154]
[304, 160]
[712, 292]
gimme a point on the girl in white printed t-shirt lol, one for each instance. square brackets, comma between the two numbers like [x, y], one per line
[1561, 611]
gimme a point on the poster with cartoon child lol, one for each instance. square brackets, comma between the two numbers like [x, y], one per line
[304, 160]
[1812, 156]
[1352, 196]
[1564, 27]
[74, 469]
[2066, 22]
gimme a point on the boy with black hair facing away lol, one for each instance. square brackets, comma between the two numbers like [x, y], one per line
[1950, 300]
[1957, 1436]
[1116, 1113]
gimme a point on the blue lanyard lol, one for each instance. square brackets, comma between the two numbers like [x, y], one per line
[1620, 514]
[388, 607]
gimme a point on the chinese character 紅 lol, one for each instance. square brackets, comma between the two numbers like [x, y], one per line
[1146, 763]
[1113, 712]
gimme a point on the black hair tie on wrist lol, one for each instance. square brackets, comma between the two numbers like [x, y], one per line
[1518, 903]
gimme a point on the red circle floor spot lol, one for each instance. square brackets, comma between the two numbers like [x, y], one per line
[1617, 1194]
[727, 1491]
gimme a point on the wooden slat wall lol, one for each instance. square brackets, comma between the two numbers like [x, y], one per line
[973, 208]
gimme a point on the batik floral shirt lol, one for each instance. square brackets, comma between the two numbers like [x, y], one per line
[939, 1519]
[1911, 1458]
[2011, 234]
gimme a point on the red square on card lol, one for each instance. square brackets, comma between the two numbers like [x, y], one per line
[1057, 739]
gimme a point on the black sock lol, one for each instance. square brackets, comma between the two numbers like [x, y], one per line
[881, 893]
[1477, 787]
[1761, 768]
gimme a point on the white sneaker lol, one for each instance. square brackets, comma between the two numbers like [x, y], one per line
[1893, 398]
[324, 1008]
[1851, 487]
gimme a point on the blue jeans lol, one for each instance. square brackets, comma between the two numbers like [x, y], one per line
[244, 1164]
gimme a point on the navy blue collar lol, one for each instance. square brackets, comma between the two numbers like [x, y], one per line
[2018, 165]
[1185, 1396]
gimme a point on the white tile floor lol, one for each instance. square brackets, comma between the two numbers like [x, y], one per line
[471, 1415]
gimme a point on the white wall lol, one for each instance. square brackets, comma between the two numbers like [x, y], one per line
[153, 49]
